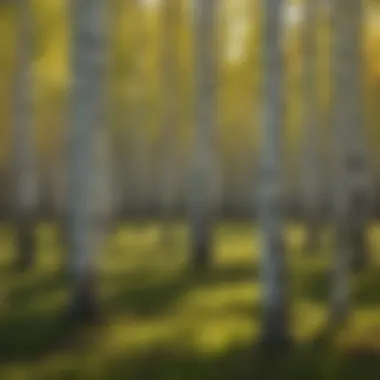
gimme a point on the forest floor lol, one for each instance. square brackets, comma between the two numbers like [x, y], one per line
[164, 323]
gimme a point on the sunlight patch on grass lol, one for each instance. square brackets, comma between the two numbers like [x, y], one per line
[294, 235]
[363, 331]
[222, 297]
[220, 333]
[133, 335]
[145, 236]
[308, 318]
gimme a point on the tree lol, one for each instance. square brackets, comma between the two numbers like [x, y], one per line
[86, 228]
[275, 305]
[349, 47]
[312, 174]
[24, 148]
[140, 134]
[171, 15]
[203, 174]
[350, 169]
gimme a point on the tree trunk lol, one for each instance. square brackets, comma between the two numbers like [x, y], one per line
[350, 124]
[140, 120]
[204, 174]
[350, 166]
[171, 15]
[311, 172]
[85, 227]
[24, 147]
[275, 330]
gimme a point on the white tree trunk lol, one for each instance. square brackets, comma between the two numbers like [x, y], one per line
[140, 135]
[204, 176]
[171, 14]
[312, 146]
[351, 167]
[87, 110]
[24, 144]
[275, 305]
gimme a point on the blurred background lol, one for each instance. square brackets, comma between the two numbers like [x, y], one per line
[140, 141]
[136, 93]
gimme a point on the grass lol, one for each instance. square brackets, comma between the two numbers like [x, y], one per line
[162, 322]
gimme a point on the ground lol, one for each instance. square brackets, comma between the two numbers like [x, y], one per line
[163, 323]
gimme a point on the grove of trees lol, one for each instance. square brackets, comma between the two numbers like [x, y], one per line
[204, 110]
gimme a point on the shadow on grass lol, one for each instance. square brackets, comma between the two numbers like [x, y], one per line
[27, 334]
[366, 292]
[155, 298]
[316, 286]
[313, 361]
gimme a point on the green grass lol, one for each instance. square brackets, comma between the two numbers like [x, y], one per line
[162, 322]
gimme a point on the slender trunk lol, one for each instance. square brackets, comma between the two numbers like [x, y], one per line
[350, 170]
[85, 224]
[203, 171]
[312, 138]
[171, 14]
[275, 330]
[350, 120]
[24, 153]
[357, 160]
[139, 119]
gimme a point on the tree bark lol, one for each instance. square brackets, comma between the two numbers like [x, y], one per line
[350, 165]
[311, 171]
[85, 225]
[204, 172]
[24, 144]
[275, 330]
[171, 15]
[350, 125]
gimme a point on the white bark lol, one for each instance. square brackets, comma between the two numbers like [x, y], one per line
[204, 177]
[88, 19]
[275, 324]
[24, 144]
[139, 118]
[312, 144]
[171, 14]
[351, 166]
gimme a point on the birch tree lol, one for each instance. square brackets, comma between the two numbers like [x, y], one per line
[311, 173]
[171, 13]
[86, 229]
[204, 173]
[350, 171]
[351, 38]
[24, 147]
[273, 266]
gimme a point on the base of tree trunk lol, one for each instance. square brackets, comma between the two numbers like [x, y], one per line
[275, 343]
[339, 317]
[201, 244]
[25, 241]
[275, 334]
[84, 307]
[201, 255]
[359, 260]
